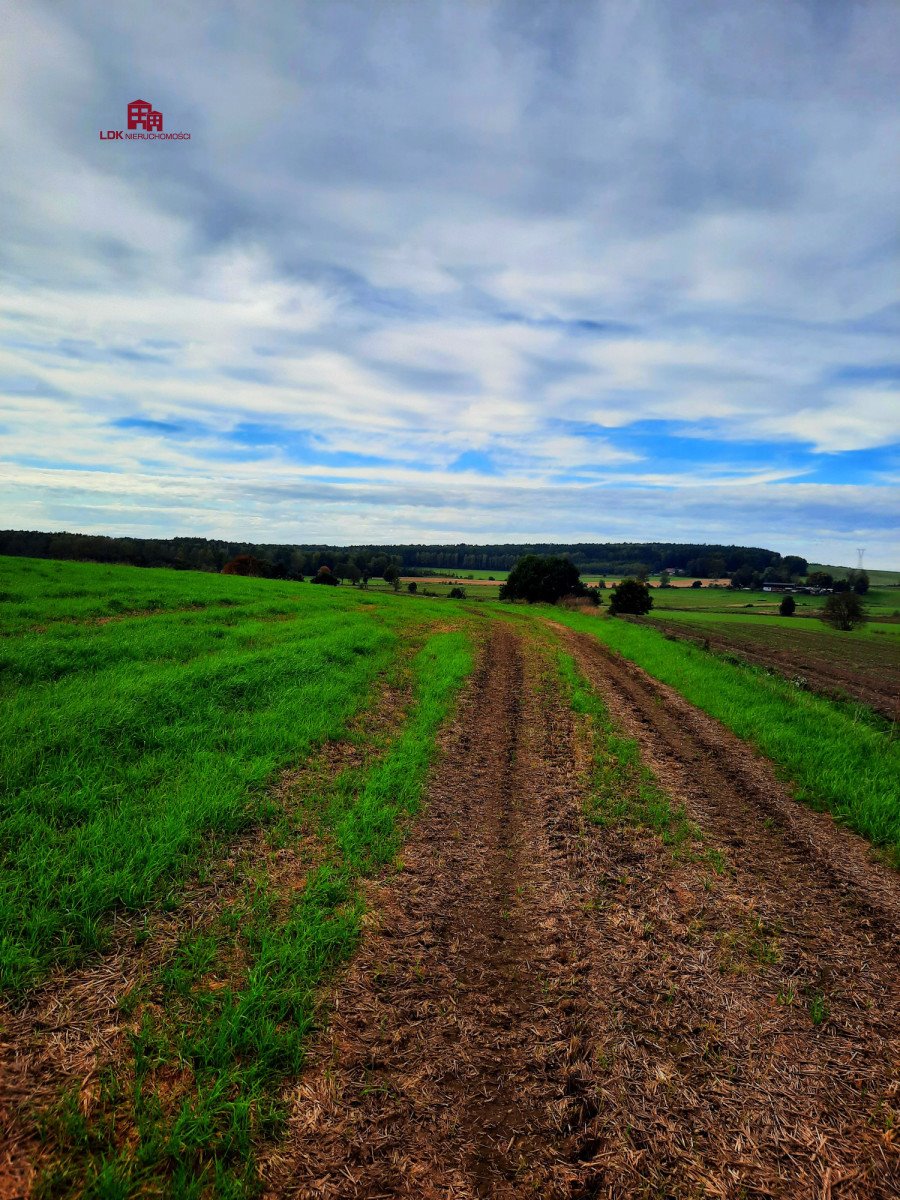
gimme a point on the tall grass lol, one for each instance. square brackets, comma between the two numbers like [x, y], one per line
[837, 764]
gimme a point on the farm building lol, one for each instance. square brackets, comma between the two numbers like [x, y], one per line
[796, 589]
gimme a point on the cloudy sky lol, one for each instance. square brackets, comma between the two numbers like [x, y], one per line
[460, 271]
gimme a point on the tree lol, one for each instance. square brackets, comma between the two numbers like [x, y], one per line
[542, 579]
[630, 596]
[354, 574]
[246, 564]
[819, 579]
[325, 575]
[844, 610]
[794, 565]
[391, 575]
[859, 581]
[787, 606]
[412, 587]
[697, 583]
[665, 579]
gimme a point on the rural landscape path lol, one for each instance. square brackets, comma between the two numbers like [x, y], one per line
[543, 1006]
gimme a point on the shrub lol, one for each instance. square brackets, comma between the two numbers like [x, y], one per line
[844, 610]
[787, 606]
[457, 593]
[697, 583]
[325, 575]
[412, 587]
[630, 596]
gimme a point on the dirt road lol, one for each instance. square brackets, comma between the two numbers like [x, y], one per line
[543, 1007]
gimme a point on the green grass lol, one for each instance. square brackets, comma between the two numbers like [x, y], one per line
[880, 602]
[837, 764]
[755, 620]
[625, 792]
[128, 747]
[428, 589]
[877, 578]
[197, 1134]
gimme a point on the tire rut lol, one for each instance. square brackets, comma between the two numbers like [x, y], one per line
[752, 1029]
[456, 1057]
[735, 795]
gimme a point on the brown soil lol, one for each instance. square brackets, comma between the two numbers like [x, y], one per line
[542, 1007]
[841, 666]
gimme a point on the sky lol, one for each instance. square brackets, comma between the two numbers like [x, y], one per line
[443, 272]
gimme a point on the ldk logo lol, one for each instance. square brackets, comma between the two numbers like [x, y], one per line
[142, 115]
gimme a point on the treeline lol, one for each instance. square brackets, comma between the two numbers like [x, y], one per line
[292, 561]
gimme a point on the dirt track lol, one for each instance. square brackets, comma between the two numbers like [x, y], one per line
[545, 1008]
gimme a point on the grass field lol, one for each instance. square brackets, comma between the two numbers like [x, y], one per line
[877, 578]
[130, 742]
[145, 719]
[882, 603]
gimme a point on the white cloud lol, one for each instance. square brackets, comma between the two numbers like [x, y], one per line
[414, 231]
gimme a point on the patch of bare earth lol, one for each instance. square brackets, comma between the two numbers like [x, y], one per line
[64, 1032]
[542, 1007]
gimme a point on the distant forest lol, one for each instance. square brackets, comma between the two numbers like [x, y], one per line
[296, 561]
